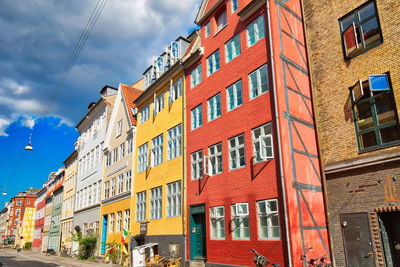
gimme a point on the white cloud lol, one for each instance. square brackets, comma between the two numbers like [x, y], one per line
[4, 123]
[28, 122]
[7, 84]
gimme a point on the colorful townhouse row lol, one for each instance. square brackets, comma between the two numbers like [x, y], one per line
[216, 151]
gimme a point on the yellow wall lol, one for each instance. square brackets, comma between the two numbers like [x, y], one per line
[115, 207]
[168, 171]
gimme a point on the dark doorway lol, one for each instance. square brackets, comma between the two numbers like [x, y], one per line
[357, 240]
[197, 232]
[389, 225]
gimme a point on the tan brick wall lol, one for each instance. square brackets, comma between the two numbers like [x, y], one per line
[332, 75]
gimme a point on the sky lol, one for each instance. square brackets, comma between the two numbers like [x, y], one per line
[37, 38]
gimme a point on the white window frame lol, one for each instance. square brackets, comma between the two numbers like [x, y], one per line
[119, 128]
[197, 165]
[174, 142]
[221, 20]
[119, 222]
[129, 145]
[174, 198]
[235, 151]
[207, 29]
[214, 107]
[197, 117]
[232, 47]
[115, 155]
[261, 88]
[157, 150]
[127, 219]
[240, 217]
[156, 203]
[268, 215]
[107, 189]
[259, 134]
[158, 103]
[214, 159]
[234, 6]
[142, 157]
[144, 114]
[111, 227]
[113, 186]
[217, 233]
[195, 76]
[175, 90]
[234, 93]
[141, 206]
[121, 183]
[213, 63]
[122, 150]
[256, 27]
[128, 181]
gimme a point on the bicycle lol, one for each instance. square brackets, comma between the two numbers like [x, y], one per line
[260, 260]
[313, 261]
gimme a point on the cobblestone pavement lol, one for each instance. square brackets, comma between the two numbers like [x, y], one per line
[12, 258]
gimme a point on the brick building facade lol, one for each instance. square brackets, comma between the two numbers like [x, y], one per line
[353, 45]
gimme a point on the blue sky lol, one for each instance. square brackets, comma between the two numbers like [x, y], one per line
[36, 40]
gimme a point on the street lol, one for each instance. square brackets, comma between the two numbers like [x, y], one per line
[11, 258]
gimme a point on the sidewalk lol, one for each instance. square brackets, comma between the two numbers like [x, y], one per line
[62, 261]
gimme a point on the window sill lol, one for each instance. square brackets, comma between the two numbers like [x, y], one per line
[220, 30]
[379, 147]
[249, 46]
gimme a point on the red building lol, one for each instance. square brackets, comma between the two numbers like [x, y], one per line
[39, 219]
[253, 174]
[17, 209]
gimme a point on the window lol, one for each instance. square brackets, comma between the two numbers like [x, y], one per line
[215, 159]
[108, 159]
[360, 30]
[262, 143]
[255, 31]
[237, 157]
[19, 202]
[119, 221]
[157, 151]
[197, 165]
[232, 48]
[174, 199]
[240, 221]
[234, 4]
[258, 81]
[17, 212]
[144, 114]
[89, 195]
[175, 90]
[195, 76]
[214, 107]
[115, 154]
[217, 225]
[111, 222]
[213, 63]
[128, 181]
[156, 203]
[142, 158]
[119, 128]
[374, 112]
[113, 187]
[127, 219]
[158, 103]
[141, 206]
[268, 219]
[197, 117]
[122, 151]
[234, 95]
[221, 21]
[174, 142]
[129, 146]
[208, 29]
[120, 183]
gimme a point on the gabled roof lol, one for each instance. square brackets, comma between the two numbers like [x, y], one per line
[130, 94]
[206, 8]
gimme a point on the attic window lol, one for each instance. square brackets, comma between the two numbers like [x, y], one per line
[221, 20]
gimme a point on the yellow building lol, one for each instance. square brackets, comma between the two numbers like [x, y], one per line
[159, 179]
[67, 213]
[25, 227]
[117, 175]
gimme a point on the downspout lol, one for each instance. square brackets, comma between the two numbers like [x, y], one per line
[278, 135]
[183, 204]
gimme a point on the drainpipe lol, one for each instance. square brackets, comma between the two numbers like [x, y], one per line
[278, 135]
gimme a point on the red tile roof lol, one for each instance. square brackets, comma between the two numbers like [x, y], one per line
[130, 94]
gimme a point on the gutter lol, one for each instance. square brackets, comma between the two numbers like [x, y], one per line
[278, 135]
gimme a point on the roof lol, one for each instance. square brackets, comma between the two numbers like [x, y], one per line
[189, 49]
[130, 94]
